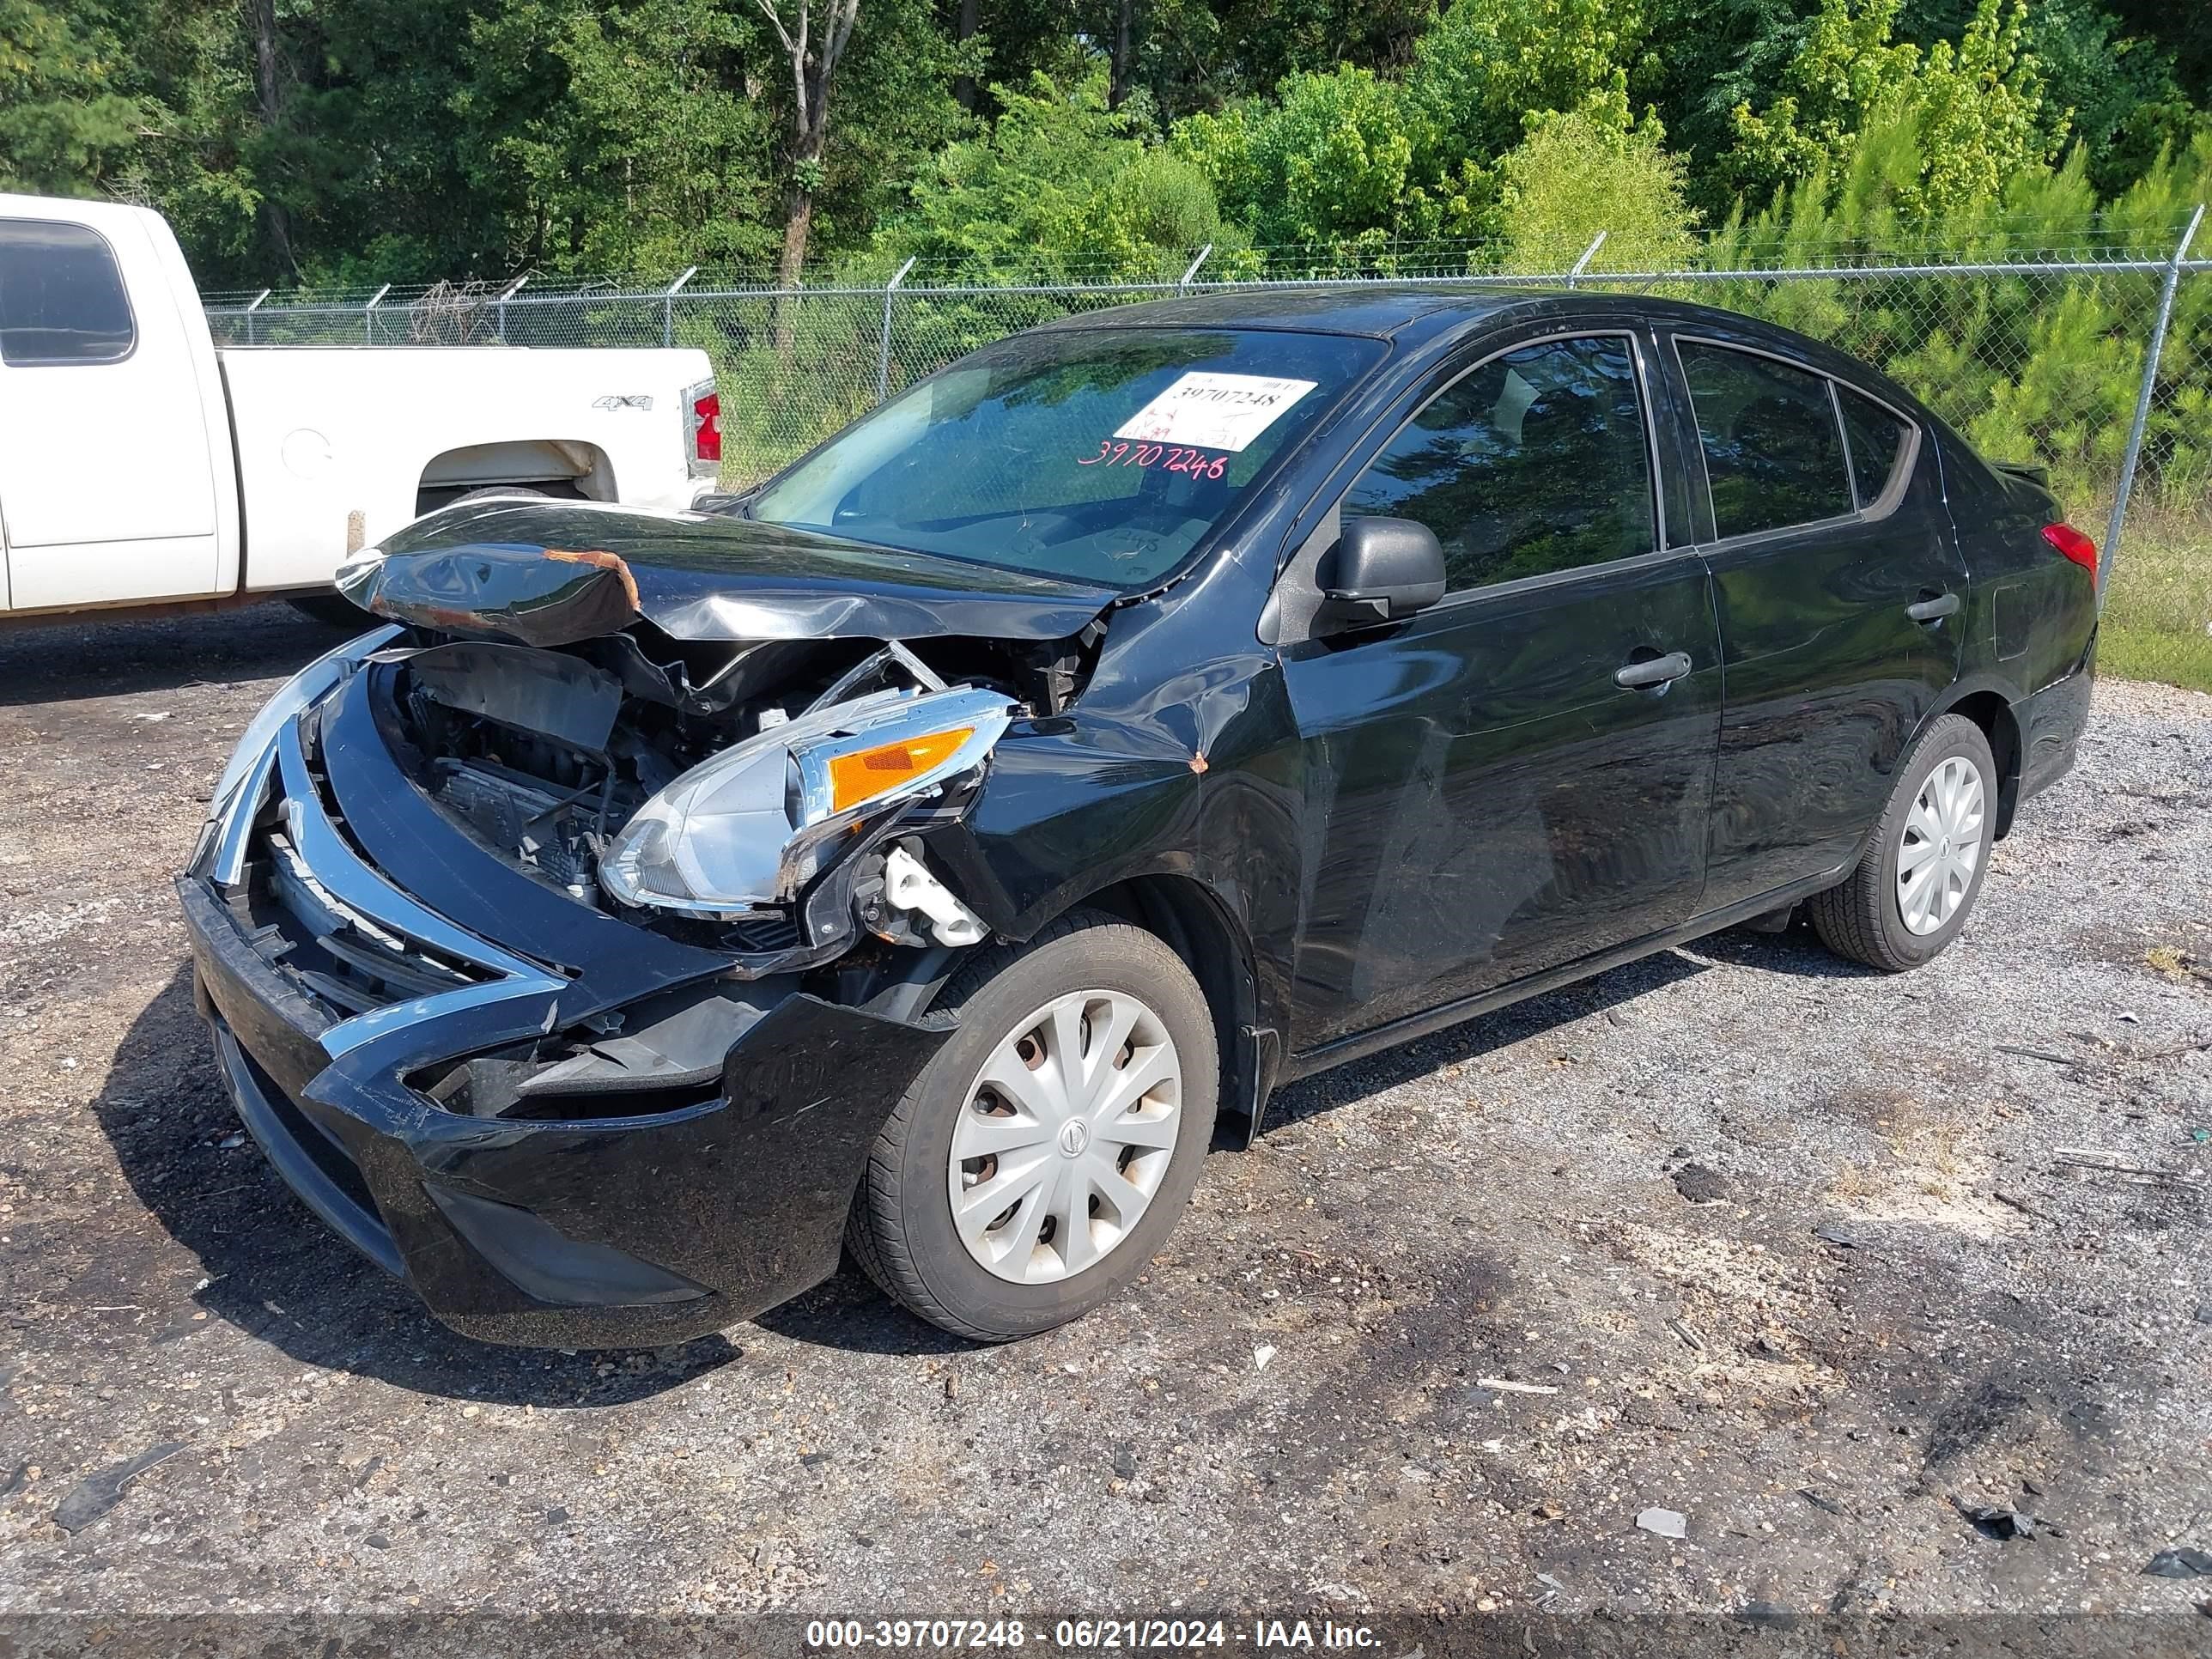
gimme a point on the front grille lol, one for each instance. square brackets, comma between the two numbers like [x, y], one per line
[344, 960]
[761, 933]
[347, 963]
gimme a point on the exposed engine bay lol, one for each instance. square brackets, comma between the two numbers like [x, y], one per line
[704, 789]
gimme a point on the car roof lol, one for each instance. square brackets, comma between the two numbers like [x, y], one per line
[1411, 315]
[1380, 310]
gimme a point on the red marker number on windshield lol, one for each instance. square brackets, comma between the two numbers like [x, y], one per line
[1117, 452]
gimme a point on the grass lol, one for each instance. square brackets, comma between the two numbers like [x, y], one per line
[2158, 616]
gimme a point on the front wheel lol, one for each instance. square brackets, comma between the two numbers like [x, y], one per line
[1043, 1156]
[1922, 868]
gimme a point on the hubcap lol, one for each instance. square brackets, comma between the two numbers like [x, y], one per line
[1941, 847]
[1065, 1136]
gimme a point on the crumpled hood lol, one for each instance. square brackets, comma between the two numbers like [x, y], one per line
[552, 573]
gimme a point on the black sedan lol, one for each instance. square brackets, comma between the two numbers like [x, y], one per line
[914, 855]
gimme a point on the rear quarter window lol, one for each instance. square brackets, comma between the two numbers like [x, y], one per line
[1774, 452]
[61, 296]
[1878, 441]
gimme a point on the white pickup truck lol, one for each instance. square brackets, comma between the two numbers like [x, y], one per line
[142, 468]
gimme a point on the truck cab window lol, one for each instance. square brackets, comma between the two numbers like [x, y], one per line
[61, 296]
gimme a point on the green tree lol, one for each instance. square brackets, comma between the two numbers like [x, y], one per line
[1061, 178]
[1972, 109]
[814, 41]
[1196, 55]
[1574, 177]
[69, 114]
[1489, 66]
[1358, 160]
[192, 157]
[2114, 93]
[621, 138]
[1331, 160]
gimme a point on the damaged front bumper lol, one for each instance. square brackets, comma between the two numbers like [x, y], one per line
[353, 949]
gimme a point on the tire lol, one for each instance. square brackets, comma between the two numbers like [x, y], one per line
[491, 491]
[1871, 918]
[902, 1228]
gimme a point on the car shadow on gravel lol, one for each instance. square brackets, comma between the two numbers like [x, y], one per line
[271, 1269]
[1797, 950]
[1484, 1034]
[60, 661]
[848, 1312]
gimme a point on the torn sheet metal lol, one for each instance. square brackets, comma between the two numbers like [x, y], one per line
[553, 573]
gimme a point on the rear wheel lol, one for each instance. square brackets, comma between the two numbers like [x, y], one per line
[1042, 1158]
[1921, 867]
[492, 492]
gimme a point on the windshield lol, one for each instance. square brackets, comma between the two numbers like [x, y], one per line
[1102, 454]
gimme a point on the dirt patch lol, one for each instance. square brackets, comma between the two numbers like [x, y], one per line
[1497, 1326]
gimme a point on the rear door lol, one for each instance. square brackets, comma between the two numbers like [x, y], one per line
[1840, 592]
[1484, 800]
[105, 484]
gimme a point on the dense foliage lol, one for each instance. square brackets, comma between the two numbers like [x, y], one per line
[1024, 143]
[361, 141]
[1005, 142]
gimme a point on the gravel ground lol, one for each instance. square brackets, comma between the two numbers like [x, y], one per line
[1786, 1248]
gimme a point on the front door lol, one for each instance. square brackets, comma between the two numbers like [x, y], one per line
[1840, 592]
[106, 475]
[1486, 799]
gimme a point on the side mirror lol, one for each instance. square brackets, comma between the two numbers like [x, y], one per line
[1381, 570]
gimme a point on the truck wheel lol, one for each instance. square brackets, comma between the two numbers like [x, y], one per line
[1043, 1157]
[491, 491]
[1922, 868]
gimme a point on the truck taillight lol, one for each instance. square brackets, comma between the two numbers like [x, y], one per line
[2074, 545]
[702, 426]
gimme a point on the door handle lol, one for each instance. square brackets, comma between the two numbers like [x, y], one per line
[1934, 610]
[1652, 672]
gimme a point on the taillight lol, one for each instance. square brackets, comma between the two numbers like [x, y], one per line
[2074, 545]
[702, 423]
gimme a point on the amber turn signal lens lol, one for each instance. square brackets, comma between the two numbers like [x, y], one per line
[867, 773]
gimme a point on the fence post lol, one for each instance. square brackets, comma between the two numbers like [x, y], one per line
[504, 294]
[1589, 254]
[1203, 254]
[252, 330]
[668, 305]
[884, 350]
[2134, 452]
[369, 316]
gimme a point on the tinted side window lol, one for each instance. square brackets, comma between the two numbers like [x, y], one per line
[61, 296]
[1534, 462]
[1774, 455]
[1877, 439]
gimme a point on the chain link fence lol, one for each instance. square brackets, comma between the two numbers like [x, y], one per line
[2096, 362]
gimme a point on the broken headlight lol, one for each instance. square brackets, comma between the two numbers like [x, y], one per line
[751, 827]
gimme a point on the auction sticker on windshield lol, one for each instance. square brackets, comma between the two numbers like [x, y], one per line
[1215, 412]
